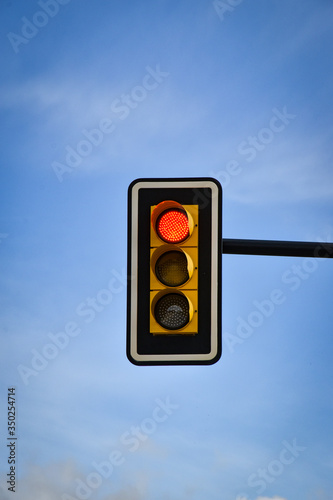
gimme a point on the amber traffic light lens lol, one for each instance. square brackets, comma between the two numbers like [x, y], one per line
[172, 311]
[172, 226]
[171, 268]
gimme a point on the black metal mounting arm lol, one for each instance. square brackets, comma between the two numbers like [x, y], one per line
[277, 248]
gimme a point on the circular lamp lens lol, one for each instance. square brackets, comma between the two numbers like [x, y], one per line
[172, 311]
[171, 268]
[173, 226]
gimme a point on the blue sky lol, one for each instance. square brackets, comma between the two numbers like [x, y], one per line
[92, 96]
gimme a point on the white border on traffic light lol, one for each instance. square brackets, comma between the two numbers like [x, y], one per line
[215, 256]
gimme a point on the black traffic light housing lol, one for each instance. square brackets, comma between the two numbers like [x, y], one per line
[174, 271]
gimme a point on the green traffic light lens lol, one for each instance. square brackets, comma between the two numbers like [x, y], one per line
[172, 311]
[172, 268]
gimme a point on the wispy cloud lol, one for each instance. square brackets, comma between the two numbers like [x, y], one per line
[270, 498]
[52, 481]
[291, 180]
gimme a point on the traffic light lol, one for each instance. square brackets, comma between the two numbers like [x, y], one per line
[174, 271]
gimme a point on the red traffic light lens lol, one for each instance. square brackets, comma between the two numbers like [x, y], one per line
[173, 226]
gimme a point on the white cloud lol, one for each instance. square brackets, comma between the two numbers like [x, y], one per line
[271, 498]
[52, 481]
[294, 174]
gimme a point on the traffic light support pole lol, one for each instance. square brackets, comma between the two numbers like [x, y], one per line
[277, 248]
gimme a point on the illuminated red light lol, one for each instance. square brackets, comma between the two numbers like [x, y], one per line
[173, 226]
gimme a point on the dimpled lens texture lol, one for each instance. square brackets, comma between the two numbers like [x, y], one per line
[171, 269]
[172, 226]
[172, 311]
